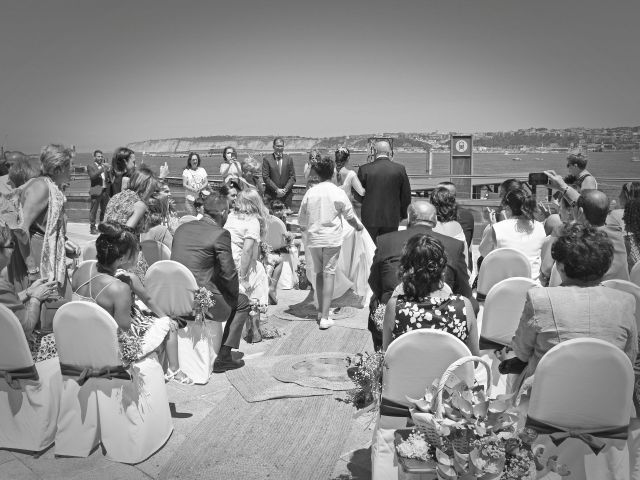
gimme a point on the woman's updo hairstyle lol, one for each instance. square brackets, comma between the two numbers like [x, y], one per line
[114, 242]
[521, 203]
[342, 157]
[324, 167]
[422, 263]
[445, 203]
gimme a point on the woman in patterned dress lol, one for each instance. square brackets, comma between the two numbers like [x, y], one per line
[424, 300]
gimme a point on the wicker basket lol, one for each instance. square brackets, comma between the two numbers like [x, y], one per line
[462, 439]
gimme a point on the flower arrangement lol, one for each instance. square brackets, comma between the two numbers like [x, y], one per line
[467, 434]
[265, 250]
[301, 272]
[365, 370]
[203, 302]
[267, 331]
[130, 347]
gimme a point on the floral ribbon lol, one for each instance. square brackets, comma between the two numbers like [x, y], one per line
[85, 373]
[390, 408]
[588, 436]
[11, 376]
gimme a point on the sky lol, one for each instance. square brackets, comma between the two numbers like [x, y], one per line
[100, 74]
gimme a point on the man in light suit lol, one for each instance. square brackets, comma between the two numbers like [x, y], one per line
[100, 178]
[387, 192]
[383, 278]
[278, 174]
[204, 247]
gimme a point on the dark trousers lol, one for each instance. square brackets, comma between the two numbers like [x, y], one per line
[235, 318]
[98, 202]
[375, 231]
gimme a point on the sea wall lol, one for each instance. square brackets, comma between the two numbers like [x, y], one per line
[174, 145]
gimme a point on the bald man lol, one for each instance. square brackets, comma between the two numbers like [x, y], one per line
[204, 247]
[387, 192]
[383, 277]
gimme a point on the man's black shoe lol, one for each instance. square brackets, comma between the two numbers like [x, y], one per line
[94, 230]
[220, 366]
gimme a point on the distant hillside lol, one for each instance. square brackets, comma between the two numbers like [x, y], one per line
[216, 143]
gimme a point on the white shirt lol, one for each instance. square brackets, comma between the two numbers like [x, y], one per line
[321, 212]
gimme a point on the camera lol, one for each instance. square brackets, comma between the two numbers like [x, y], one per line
[538, 179]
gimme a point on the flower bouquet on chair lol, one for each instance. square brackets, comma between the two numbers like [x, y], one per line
[203, 301]
[463, 433]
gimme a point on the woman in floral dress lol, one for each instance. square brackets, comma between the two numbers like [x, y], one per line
[424, 300]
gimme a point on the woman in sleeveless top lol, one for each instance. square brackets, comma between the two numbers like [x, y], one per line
[425, 301]
[123, 296]
[519, 230]
[445, 202]
[230, 168]
[348, 179]
[194, 180]
[580, 307]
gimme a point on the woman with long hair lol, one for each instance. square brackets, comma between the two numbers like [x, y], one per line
[194, 180]
[425, 300]
[519, 230]
[251, 175]
[157, 220]
[109, 285]
[123, 164]
[447, 212]
[247, 225]
[230, 168]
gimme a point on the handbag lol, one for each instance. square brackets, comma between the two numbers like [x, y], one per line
[95, 191]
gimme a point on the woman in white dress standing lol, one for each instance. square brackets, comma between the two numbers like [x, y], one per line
[348, 179]
[194, 179]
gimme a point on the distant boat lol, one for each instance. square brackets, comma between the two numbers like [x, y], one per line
[538, 159]
[635, 158]
[516, 159]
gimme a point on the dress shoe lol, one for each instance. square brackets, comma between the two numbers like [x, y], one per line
[94, 230]
[222, 365]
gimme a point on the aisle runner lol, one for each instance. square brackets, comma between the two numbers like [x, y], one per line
[287, 439]
[306, 337]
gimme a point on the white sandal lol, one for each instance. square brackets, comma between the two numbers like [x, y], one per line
[171, 375]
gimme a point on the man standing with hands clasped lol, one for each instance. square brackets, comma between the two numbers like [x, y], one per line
[100, 178]
[278, 174]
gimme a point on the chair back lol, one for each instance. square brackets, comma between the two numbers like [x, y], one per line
[555, 280]
[89, 251]
[86, 335]
[154, 251]
[500, 264]
[415, 359]
[503, 309]
[634, 275]
[14, 349]
[583, 383]
[628, 287]
[276, 231]
[186, 219]
[172, 286]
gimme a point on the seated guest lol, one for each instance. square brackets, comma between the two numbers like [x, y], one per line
[447, 210]
[230, 191]
[247, 225]
[519, 230]
[631, 220]
[110, 286]
[592, 208]
[464, 217]
[21, 171]
[552, 227]
[580, 307]
[204, 247]
[426, 301]
[629, 191]
[156, 216]
[383, 278]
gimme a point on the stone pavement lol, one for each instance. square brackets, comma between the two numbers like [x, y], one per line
[189, 405]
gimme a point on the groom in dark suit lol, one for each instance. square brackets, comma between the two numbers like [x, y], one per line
[204, 247]
[278, 174]
[387, 192]
[383, 278]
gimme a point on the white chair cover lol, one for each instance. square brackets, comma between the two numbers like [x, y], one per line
[173, 286]
[28, 414]
[499, 264]
[89, 251]
[131, 418]
[634, 274]
[412, 363]
[154, 251]
[583, 384]
[276, 231]
[628, 287]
